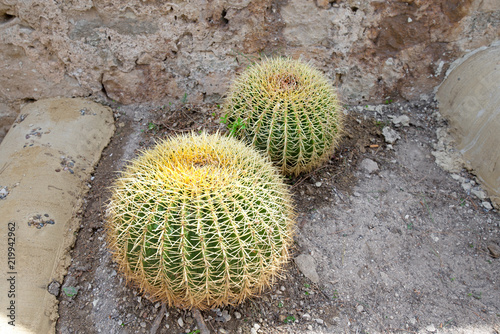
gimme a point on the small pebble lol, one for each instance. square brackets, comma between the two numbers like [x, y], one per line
[494, 250]
[226, 316]
[180, 322]
[431, 328]
[486, 205]
[237, 315]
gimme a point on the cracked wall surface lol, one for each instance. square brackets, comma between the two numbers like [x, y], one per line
[154, 51]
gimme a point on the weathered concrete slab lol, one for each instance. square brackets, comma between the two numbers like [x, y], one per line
[470, 99]
[45, 162]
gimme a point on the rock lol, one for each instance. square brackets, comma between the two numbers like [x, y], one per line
[472, 125]
[431, 328]
[237, 315]
[479, 194]
[3, 192]
[359, 308]
[487, 205]
[323, 4]
[226, 316]
[390, 135]
[306, 316]
[170, 54]
[369, 166]
[467, 187]
[143, 324]
[318, 184]
[128, 87]
[458, 178]
[401, 120]
[319, 321]
[494, 250]
[307, 266]
[180, 322]
[54, 288]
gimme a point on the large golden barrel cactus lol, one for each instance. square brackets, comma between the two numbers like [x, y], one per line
[287, 109]
[200, 221]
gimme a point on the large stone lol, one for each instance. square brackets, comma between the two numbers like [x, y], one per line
[163, 50]
[46, 160]
[470, 99]
[307, 266]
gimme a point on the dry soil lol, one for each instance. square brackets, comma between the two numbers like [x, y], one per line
[398, 244]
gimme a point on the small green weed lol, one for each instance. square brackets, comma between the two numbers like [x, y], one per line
[388, 101]
[409, 226]
[70, 291]
[280, 304]
[194, 332]
[381, 124]
[307, 286]
[475, 295]
[184, 98]
[235, 127]
[335, 294]
[289, 319]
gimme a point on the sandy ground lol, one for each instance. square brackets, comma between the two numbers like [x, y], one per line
[398, 245]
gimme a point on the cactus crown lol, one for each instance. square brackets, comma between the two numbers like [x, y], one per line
[289, 110]
[200, 221]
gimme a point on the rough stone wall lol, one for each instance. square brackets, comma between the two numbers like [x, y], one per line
[157, 51]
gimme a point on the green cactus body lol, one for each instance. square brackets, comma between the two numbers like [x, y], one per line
[200, 221]
[288, 110]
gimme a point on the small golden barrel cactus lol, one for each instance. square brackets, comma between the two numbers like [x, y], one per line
[287, 109]
[200, 221]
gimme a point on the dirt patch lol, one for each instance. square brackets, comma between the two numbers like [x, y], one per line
[398, 244]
